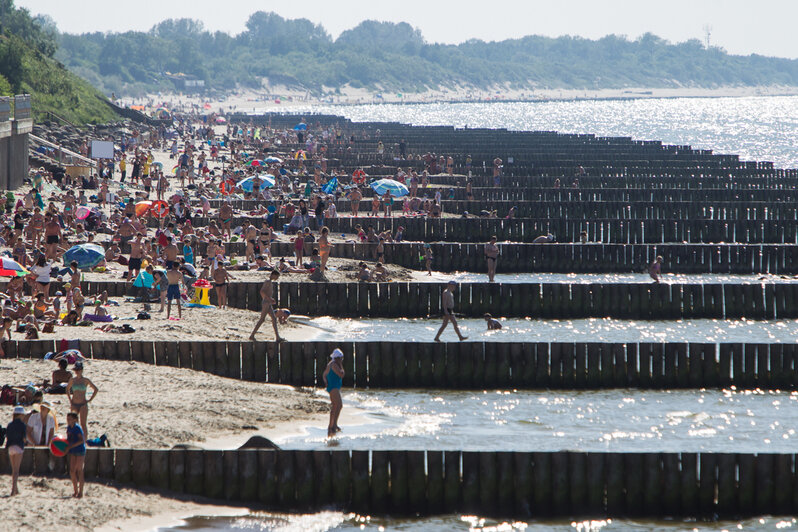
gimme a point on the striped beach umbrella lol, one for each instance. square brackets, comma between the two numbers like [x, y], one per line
[11, 268]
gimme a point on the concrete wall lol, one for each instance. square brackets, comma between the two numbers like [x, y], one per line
[14, 141]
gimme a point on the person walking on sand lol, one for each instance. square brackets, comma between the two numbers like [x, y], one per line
[491, 254]
[267, 305]
[447, 304]
[333, 378]
[655, 270]
[76, 392]
[16, 434]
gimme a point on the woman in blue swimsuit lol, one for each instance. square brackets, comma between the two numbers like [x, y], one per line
[333, 378]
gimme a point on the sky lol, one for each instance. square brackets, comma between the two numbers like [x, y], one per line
[743, 27]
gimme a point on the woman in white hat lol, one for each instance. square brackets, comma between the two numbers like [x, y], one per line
[16, 434]
[333, 378]
[42, 425]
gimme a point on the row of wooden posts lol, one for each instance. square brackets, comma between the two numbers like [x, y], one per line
[776, 259]
[615, 231]
[494, 484]
[648, 301]
[536, 300]
[467, 365]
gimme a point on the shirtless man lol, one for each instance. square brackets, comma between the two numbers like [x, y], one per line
[170, 253]
[126, 231]
[267, 306]
[220, 278]
[52, 236]
[251, 238]
[136, 254]
[226, 218]
[447, 304]
[655, 270]
[174, 277]
[497, 171]
[491, 254]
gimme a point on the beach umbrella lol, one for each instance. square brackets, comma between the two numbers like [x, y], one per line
[82, 212]
[300, 126]
[395, 188]
[255, 162]
[86, 255]
[158, 165]
[266, 181]
[142, 207]
[11, 268]
[272, 159]
[221, 120]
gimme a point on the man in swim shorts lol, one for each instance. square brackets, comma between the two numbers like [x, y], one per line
[491, 254]
[447, 304]
[267, 305]
[174, 277]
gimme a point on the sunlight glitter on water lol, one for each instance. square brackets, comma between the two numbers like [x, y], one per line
[761, 128]
[581, 330]
[608, 420]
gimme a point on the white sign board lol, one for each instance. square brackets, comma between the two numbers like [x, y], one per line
[102, 149]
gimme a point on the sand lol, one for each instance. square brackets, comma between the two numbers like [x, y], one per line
[144, 406]
[47, 504]
[301, 100]
[198, 324]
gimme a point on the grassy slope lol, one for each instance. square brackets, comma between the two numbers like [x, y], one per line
[53, 88]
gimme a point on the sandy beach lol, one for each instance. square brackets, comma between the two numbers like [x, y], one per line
[144, 406]
[276, 97]
[47, 504]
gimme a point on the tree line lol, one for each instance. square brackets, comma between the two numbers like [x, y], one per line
[395, 56]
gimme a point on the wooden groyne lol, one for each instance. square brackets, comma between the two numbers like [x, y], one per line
[467, 365]
[646, 301]
[616, 231]
[493, 484]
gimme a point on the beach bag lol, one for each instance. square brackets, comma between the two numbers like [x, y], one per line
[143, 316]
[7, 395]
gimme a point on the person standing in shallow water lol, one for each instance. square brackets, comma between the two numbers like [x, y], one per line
[491, 254]
[655, 270]
[447, 304]
[333, 378]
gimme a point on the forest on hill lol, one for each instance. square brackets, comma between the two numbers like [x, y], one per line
[27, 65]
[395, 56]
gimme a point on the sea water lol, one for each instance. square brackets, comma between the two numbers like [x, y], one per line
[618, 420]
[560, 330]
[762, 128]
[756, 128]
[336, 521]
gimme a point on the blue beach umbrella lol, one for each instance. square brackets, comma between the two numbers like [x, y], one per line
[395, 188]
[272, 159]
[300, 126]
[266, 181]
[86, 255]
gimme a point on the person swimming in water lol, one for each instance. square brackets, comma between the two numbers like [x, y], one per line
[333, 378]
[493, 323]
